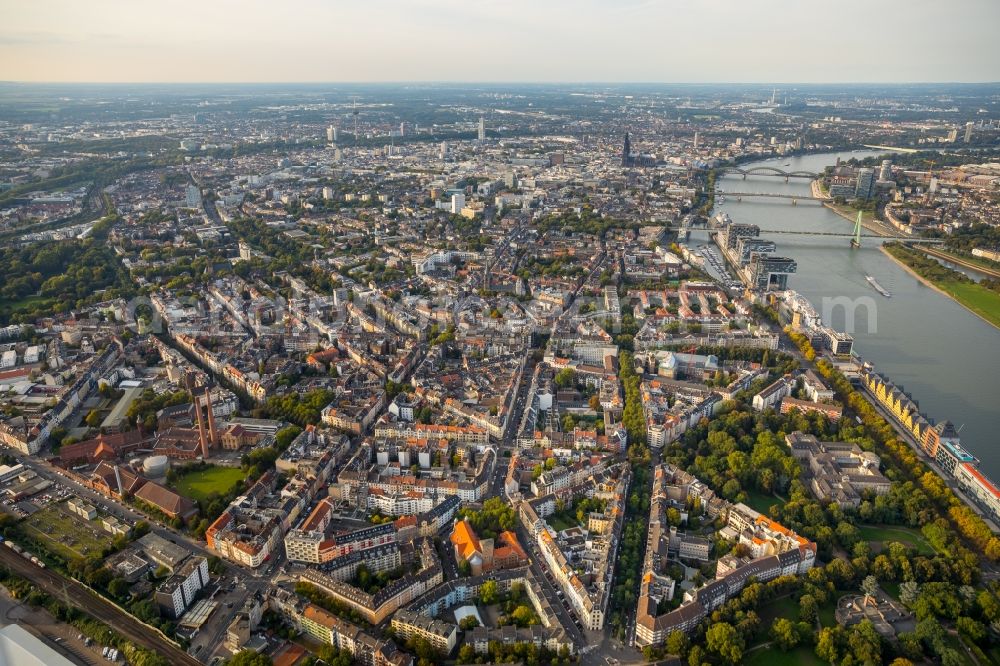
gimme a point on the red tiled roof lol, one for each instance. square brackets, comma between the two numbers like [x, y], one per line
[464, 537]
[165, 499]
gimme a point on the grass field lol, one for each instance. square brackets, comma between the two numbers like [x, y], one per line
[827, 612]
[567, 518]
[784, 607]
[851, 214]
[66, 534]
[892, 589]
[955, 643]
[848, 211]
[558, 522]
[904, 535]
[762, 502]
[8, 308]
[771, 656]
[199, 485]
[975, 297]
[984, 302]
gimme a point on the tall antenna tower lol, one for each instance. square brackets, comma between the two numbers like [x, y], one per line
[355, 114]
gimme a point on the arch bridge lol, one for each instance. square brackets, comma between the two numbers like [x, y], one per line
[770, 171]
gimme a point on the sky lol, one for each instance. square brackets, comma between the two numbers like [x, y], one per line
[802, 41]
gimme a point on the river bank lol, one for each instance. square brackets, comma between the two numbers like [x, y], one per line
[922, 338]
[980, 301]
[868, 220]
[962, 261]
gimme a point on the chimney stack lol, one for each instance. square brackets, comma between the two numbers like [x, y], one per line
[118, 480]
[212, 432]
[202, 438]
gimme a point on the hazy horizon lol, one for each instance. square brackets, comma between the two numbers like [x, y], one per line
[487, 83]
[521, 41]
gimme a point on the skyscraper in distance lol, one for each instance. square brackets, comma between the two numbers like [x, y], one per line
[482, 129]
[865, 186]
[885, 173]
[193, 196]
[968, 131]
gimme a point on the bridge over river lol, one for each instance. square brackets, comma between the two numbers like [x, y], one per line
[769, 171]
[770, 195]
[884, 237]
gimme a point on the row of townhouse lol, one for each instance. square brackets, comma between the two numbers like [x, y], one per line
[422, 618]
[774, 551]
[254, 524]
[27, 438]
[939, 441]
[562, 477]
[492, 424]
[403, 321]
[376, 608]
[316, 546]
[220, 366]
[354, 413]
[653, 628]
[462, 434]
[311, 542]
[366, 649]
[345, 567]
[665, 425]
[588, 590]
[360, 477]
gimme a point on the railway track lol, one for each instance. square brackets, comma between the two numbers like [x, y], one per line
[90, 602]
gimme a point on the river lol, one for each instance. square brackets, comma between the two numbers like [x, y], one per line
[947, 358]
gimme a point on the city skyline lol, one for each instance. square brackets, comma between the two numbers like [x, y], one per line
[556, 372]
[448, 41]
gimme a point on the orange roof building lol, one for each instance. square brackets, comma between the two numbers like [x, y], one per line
[509, 554]
[485, 555]
[468, 548]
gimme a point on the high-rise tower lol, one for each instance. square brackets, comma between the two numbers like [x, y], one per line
[355, 114]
